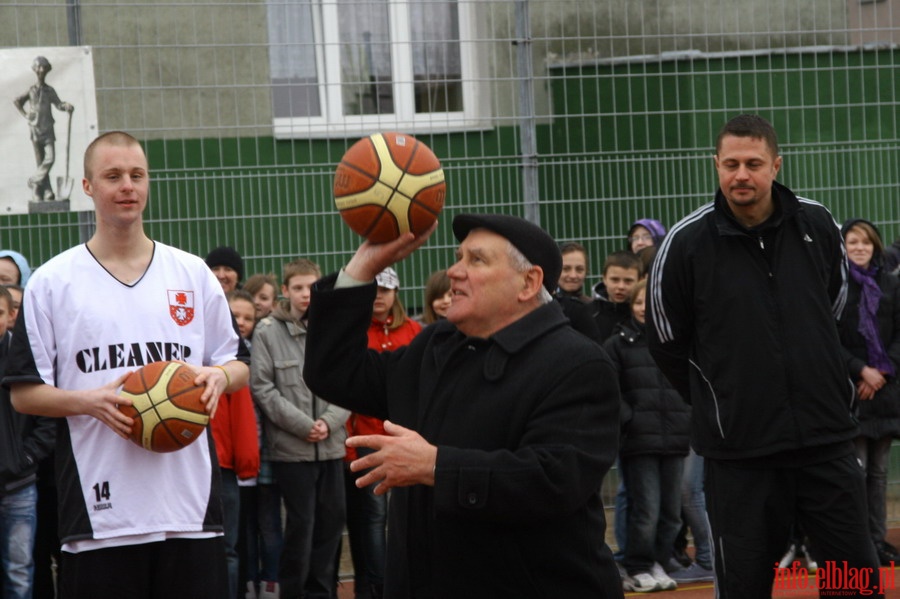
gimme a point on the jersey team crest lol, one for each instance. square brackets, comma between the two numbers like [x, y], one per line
[181, 306]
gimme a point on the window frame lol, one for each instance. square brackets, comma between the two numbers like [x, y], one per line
[332, 123]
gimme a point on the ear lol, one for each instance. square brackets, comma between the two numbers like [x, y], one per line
[533, 281]
[777, 165]
[86, 186]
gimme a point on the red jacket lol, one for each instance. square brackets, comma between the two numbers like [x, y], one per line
[381, 338]
[234, 432]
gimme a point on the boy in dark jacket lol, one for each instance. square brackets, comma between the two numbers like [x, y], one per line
[24, 441]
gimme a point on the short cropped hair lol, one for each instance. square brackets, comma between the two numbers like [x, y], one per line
[624, 259]
[520, 264]
[749, 125]
[301, 266]
[112, 138]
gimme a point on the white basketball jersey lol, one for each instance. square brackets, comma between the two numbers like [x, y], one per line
[83, 329]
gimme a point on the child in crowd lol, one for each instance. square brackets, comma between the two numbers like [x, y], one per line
[16, 292]
[24, 441]
[237, 444]
[645, 232]
[264, 289]
[304, 436]
[261, 538]
[574, 271]
[610, 306]
[655, 439]
[367, 512]
[437, 297]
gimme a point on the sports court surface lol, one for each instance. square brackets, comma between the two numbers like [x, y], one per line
[704, 590]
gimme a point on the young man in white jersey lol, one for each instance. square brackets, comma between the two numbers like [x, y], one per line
[133, 523]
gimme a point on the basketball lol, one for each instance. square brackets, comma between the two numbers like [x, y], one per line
[388, 184]
[166, 406]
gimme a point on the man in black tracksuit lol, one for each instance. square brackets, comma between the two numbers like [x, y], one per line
[743, 296]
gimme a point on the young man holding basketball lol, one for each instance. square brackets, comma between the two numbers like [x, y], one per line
[494, 449]
[132, 523]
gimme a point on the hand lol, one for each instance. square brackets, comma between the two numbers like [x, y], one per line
[402, 458]
[872, 377]
[319, 432]
[103, 404]
[371, 258]
[865, 390]
[215, 381]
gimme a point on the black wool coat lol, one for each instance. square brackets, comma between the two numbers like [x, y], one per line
[526, 425]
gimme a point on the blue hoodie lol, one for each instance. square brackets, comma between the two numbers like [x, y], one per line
[21, 264]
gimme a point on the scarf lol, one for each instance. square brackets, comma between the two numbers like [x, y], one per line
[869, 298]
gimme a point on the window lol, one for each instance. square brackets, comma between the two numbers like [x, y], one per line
[344, 67]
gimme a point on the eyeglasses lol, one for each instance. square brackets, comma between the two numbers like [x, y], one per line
[634, 238]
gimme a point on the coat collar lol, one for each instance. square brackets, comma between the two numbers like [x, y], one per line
[786, 206]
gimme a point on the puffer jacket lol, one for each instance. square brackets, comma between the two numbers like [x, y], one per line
[289, 408]
[655, 419]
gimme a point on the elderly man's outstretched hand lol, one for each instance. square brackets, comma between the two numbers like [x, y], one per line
[402, 458]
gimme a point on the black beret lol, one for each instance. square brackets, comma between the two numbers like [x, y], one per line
[226, 256]
[534, 243]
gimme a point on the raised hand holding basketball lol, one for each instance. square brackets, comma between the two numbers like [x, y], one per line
[371, 258]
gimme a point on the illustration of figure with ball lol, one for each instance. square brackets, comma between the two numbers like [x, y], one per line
[36, 105]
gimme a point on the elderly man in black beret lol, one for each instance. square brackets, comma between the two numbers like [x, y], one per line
[501, 421]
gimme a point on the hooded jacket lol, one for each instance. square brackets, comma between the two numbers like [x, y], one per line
[21, 264]
[656, 229]
[743, 323]
[289, 408]
[879, 416]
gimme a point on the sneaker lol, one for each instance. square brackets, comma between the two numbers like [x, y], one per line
[811, 564]
[642, 583]
[269, 590]
[659, 574]
[623, 574]
[693, 573]
[788, 558]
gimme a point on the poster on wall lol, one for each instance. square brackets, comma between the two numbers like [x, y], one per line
[48, 112]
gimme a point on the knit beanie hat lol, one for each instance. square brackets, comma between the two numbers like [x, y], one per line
[226, 256]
